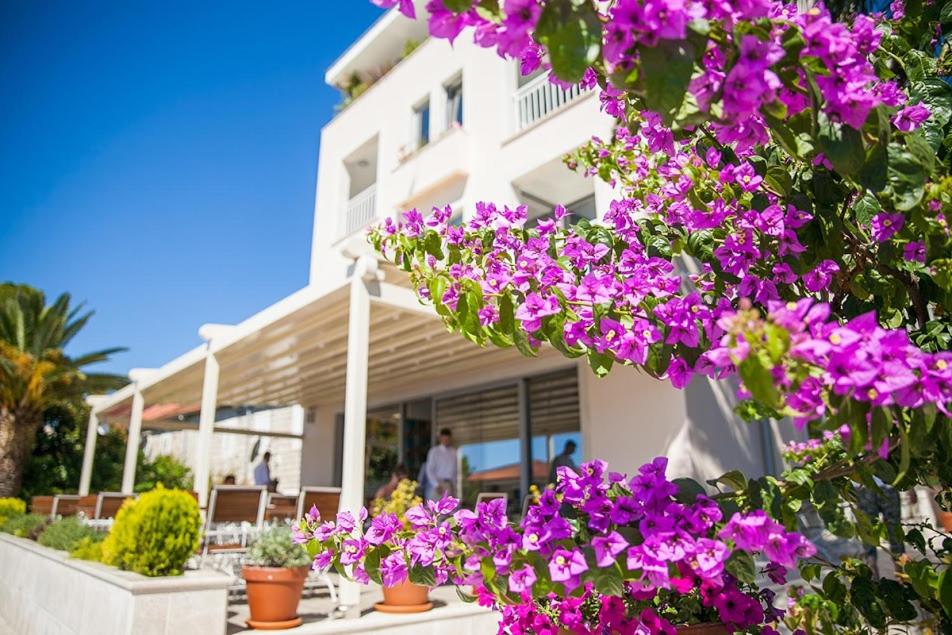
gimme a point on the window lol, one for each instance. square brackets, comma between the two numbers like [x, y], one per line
[454, 103]
[421, 125]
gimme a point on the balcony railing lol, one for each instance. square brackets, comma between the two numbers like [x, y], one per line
[361, 210]
[539, 98]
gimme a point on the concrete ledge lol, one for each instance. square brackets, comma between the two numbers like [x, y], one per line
[45, 591]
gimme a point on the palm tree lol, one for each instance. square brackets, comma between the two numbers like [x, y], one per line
[35, 372]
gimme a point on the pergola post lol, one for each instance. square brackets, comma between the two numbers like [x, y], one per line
[132, 441]
[206, 426]
[89, 452]
[355, 407]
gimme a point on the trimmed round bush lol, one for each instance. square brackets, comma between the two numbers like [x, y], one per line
[88, 549]
[10, 507]
[25, 525]
[65, 534]
[154, 535]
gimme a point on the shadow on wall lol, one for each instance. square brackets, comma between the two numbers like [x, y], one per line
[713, 439]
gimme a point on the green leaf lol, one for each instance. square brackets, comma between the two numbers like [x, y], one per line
[433, 245]
[487, 569]
[843, 147]
[464, 596]
[688, 490]
[864, 599]
[572, 34]
[922, 577]
[873, 173]
[608, 581]
[741, 566]
[834, 588]
[758, 380]
[945, 591]
[895, 599]
[601, 363]
[865, 208]
[422, 576]
[458, 6]
[779, 182]
[734, 479]
[667, 69]
[906, 177]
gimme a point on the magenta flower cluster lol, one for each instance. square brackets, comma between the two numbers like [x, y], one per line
[612, 297]
[594, 523]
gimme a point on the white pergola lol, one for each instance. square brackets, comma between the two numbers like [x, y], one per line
[309, 349]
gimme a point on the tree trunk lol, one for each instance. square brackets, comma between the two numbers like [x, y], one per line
[17, 431]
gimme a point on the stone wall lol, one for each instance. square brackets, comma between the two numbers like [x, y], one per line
[45, 591]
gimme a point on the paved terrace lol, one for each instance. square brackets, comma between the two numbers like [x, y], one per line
[449, 615]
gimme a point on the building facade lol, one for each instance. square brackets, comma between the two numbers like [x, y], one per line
[373, 372]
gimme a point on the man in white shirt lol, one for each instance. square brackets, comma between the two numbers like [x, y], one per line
[441, 466]
[263, 470]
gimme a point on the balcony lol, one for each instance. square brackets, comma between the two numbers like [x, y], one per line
[361, 210]
[539, 98]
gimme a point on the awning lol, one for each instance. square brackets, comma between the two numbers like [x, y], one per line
[295, 352]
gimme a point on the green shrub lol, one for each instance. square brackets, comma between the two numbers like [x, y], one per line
[276, 548]
[89, 548]
[154, 535]
[25, 525]
[65, 534]
[10, 507]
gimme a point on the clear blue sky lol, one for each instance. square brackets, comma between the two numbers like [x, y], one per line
[157, 159]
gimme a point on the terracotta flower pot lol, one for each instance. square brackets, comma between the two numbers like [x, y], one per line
[945, 519]
[273, 596]
[405, 597]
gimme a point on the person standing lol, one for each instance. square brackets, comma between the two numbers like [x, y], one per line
[263, 470]
[563, 460]
[441, 467]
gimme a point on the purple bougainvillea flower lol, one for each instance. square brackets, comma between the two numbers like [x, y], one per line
[911, 117]
[608, 547]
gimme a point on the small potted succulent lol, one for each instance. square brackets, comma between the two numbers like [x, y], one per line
[404, 596]
[275, 569]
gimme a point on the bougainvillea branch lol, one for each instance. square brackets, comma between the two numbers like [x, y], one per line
[782, 192]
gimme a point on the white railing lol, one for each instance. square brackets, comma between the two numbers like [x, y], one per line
[538, 98]
[361, 210]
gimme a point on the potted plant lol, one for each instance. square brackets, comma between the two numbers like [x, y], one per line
[403, 596]
[275, 569]
[599, 553]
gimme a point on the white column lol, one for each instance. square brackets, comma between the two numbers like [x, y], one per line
[355, 410]
[206, 427]
[89, 451]
[132, 442]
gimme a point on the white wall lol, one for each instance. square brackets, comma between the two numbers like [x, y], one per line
[628, 418]
[231, 453]
[481, 160]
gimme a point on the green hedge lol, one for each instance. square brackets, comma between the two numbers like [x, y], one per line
[25, 525]
[65, 534]
[88, 549]
[10, 507]
[154, 535]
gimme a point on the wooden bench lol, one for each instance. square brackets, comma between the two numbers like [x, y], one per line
[42, 505]
[65, 505]
[326, 499]
[281, 507]
[231, 508]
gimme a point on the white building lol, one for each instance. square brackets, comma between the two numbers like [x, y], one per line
[375, 372]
